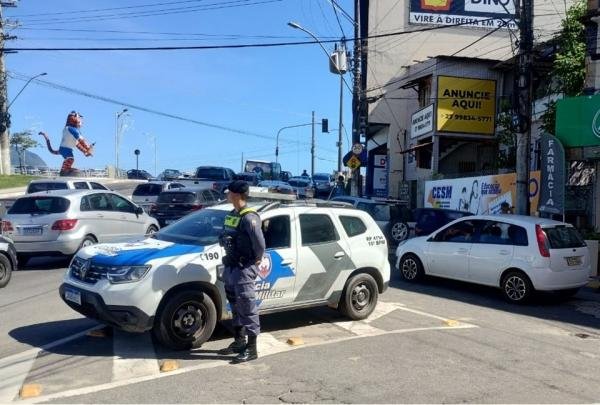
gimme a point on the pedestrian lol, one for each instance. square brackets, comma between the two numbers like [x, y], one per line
[340, 187]
[505, 208]
[304, 174]
[244, 245]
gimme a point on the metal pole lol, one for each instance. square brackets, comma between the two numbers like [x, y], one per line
[137, 162]
[312, 148]
[117, 145]
[340, 129]
[523, 90]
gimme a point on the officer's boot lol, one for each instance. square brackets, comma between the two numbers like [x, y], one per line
[239, 343]
[249, 353]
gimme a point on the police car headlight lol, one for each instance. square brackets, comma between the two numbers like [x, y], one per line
[126, 274]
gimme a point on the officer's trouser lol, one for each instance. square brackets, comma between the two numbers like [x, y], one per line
[241, 294]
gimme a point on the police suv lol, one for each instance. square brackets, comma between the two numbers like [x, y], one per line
[318, 253]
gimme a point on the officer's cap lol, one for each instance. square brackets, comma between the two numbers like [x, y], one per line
[238, 187]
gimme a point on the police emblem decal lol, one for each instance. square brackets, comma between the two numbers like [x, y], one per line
[264, 268]
[84, 268]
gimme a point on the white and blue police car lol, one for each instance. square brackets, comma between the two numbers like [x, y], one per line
[318, 253]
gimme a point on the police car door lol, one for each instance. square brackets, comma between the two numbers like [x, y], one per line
[323, 258]
[277, 271]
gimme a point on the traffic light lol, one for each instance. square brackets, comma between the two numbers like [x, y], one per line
[324, 125]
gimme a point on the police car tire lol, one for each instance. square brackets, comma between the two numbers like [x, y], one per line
[5, 270]
[162, 328]
[359, 284]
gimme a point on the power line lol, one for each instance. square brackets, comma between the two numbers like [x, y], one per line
[139, 108]
[337, 17]
[152, 13]
[71, 12]
[239, 46]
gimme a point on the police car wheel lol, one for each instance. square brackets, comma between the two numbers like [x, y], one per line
[360, 296]
[186, 321]
[5, 270]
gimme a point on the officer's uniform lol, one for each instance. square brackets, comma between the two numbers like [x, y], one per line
[244, 246]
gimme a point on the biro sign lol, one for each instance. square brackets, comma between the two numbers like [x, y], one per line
[489, 14]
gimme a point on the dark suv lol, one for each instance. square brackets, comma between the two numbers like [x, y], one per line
[428, 220]
[173, 205]
[138, 174]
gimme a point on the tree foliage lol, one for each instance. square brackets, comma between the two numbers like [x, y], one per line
[22, 141]
[568, 69]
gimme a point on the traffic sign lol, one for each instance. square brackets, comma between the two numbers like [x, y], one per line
[353, 163]
[357, 148]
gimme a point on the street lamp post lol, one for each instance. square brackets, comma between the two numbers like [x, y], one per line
[23, 88]
[341, 73]
[117, 139]
[312, 143]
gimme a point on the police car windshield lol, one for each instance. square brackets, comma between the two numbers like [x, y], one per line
[200, 228]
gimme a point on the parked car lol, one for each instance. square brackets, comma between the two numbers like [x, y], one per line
[323, 184]
[428, 220]
[135, 174]
[285, 175]
[146, 194]
[173, 205]
[251, 178]
[303, 187]
[316, 255]
[62, 221]
[36, 186]
[519, 254]
[392, 218]
[215, 177]
[8, 260]
[276, 186]
[169, 174]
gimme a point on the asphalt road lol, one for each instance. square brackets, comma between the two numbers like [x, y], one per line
[438, 341]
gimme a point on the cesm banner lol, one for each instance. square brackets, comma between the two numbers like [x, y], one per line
[466, 105]
[488, 14]
[479, 195]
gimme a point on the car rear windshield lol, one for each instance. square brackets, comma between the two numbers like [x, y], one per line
[147, 189]
[321, 177]
[176, 197]
[40, 205]
[564, 237]
[201, 228]
[210, 173]
[36, 187]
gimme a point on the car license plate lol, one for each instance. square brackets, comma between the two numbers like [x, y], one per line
[73, 296]
[573, 261]
[32, 231]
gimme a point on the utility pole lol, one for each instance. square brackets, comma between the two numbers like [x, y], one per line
[312, 148]
[5, 166]
[356, 96]
[524, 95]
[341, 57]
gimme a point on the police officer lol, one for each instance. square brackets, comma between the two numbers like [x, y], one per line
[244, 245]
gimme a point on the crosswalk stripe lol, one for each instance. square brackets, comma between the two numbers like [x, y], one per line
[14, 369]
[134, 356]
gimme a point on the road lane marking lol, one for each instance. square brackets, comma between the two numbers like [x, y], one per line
[14, 369]
[134, 355]
[382, 309]
[267, 347]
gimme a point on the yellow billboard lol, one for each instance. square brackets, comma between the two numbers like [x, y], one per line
[466, 105]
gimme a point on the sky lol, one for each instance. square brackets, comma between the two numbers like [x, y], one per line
[256, 91]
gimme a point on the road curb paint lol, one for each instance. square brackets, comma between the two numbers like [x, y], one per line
[30, 391]
[169, 365]
[295, 341]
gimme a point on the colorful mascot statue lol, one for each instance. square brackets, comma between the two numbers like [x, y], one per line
[72, 138]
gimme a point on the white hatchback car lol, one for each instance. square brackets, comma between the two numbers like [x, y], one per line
[517, 253]
[316, 254]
